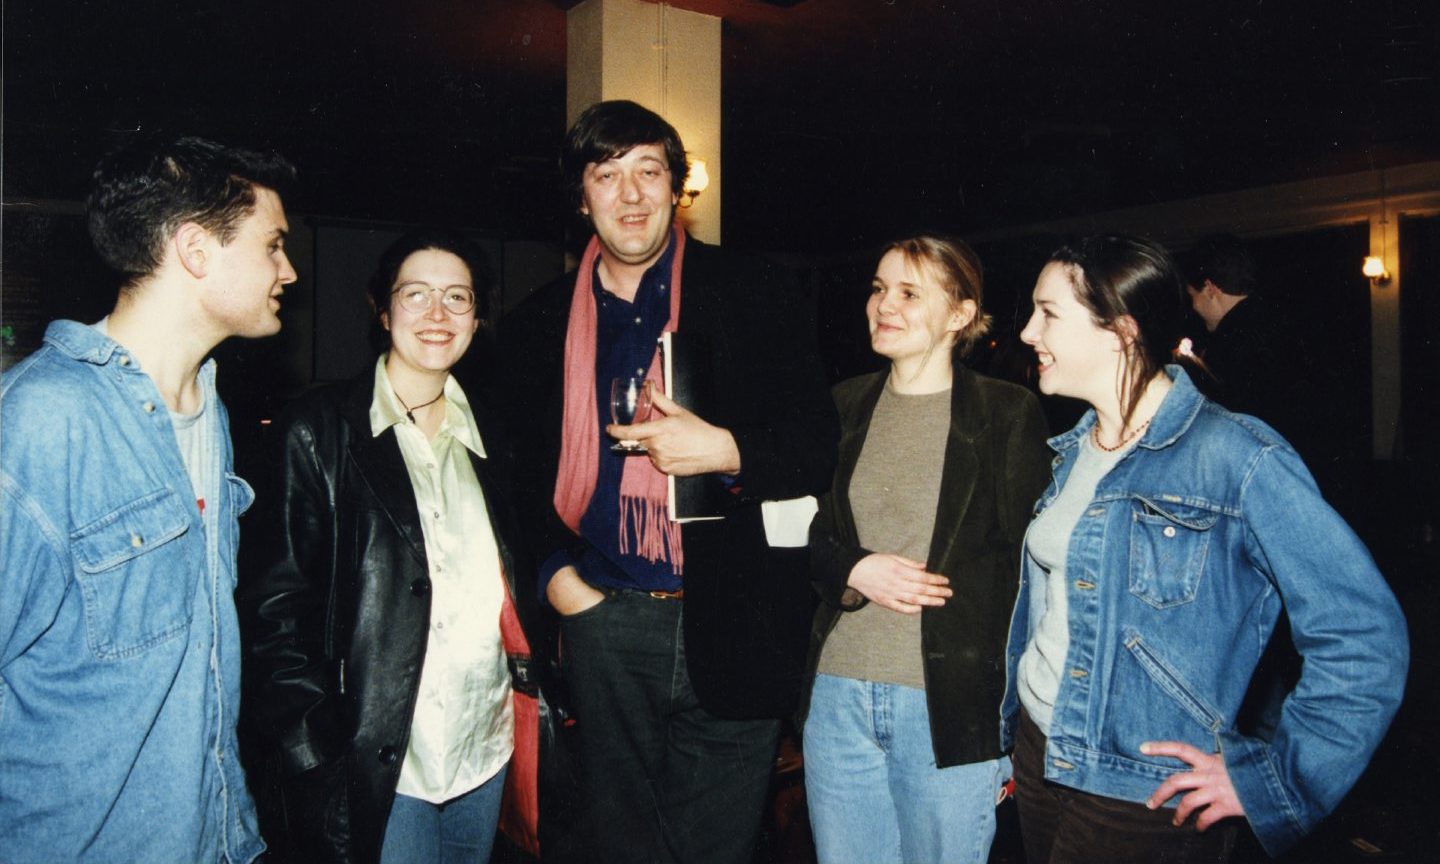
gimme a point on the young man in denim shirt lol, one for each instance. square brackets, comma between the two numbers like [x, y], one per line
[119, 649]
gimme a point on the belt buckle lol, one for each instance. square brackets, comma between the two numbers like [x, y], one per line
[667, 595]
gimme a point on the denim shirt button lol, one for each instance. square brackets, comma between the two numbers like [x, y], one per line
[124, 359]
[1169, 531]
[149, 407]
[137, 541]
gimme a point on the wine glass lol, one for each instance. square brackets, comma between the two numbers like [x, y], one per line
[629, 403]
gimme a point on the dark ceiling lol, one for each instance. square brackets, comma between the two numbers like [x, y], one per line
[846, 121]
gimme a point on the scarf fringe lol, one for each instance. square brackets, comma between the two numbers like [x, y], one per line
[656, 538]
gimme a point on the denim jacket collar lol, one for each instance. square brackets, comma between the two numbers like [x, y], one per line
[1177, 412]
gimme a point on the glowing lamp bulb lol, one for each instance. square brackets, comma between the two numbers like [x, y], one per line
[699, 179]
[1373, 267]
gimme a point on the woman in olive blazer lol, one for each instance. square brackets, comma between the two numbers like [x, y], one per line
[923, 313]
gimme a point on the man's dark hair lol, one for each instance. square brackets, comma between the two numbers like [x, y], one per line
[387, 270]
[145, 190]
[1224, 260]
[607, 130]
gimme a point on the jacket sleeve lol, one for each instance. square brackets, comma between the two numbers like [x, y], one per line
[832, 558]
[1351, 634]
[787, 445]
[292, 687]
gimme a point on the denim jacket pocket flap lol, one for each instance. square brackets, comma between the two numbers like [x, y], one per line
[1168, 545]
[136, 595]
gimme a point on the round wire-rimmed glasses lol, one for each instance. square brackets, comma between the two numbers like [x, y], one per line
[419, 299]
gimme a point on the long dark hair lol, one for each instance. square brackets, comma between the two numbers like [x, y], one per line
[1118, 277]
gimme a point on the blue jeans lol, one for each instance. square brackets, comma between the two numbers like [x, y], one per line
[460, 831]
[874, 792]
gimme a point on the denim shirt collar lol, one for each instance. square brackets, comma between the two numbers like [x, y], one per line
[1177, 412]
[85, 343]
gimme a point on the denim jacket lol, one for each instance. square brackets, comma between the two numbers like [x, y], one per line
[1178, 571]
[119, 648]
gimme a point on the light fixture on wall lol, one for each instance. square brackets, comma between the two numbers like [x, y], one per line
[697, 181]
[1374, 269]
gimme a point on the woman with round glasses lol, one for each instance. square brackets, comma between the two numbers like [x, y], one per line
[388, 663]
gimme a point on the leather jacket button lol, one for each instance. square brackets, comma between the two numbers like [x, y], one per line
[386, 755]
[420, 587]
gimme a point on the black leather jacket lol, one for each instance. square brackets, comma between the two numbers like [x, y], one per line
[335, 600]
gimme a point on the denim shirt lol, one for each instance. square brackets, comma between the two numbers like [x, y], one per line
[1178, 570]
[119, 647]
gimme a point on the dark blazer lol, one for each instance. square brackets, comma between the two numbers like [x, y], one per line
[996, 466]
[747, 608]
[335, 598]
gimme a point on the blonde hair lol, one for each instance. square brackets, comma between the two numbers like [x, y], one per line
[956, 270]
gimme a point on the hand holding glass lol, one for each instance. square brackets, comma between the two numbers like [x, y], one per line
[629, 403]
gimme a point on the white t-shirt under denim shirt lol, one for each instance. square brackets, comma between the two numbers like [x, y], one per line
[1048, 542]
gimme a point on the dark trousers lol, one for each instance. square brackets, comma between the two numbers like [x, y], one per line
[661, 779]
[1060, 825]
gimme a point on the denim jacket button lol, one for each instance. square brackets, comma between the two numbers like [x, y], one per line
[137, 541]
[1169, 531]
[149, 407]
[124, 359]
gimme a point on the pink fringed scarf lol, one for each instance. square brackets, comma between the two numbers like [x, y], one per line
[643, 489]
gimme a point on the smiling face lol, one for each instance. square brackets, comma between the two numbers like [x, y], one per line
[249, 273]
[910, 317]
[429, 343]
[631, 204]
[1078, 358]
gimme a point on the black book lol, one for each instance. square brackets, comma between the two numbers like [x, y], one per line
[685, 363]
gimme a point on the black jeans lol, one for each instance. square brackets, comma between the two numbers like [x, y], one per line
[662, 779]
[1060, 825]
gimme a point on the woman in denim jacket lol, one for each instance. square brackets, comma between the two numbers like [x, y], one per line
[1173, 535]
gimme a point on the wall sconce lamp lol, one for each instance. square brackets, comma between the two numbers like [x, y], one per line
[696, 182]
[1374, 269]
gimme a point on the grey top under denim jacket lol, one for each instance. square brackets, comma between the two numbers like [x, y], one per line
[119, 647]
[994, 468]
[1178, 571]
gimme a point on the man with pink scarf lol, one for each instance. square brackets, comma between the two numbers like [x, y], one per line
[681, 643]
